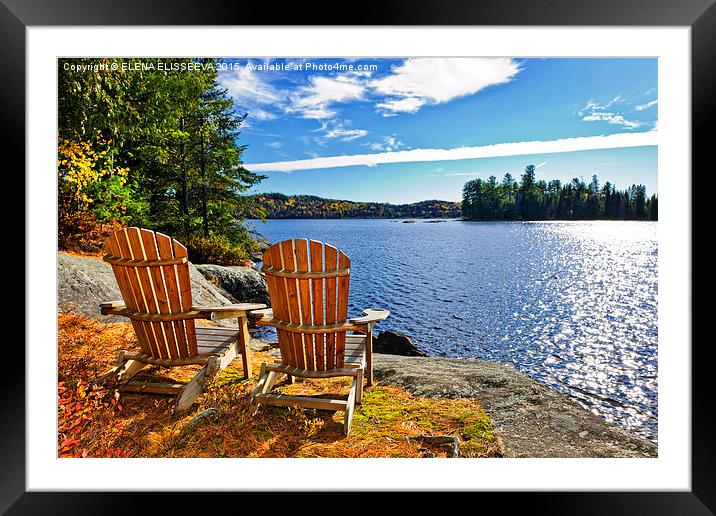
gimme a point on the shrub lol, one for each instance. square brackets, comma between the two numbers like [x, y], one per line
[219, 250]
[81, 232]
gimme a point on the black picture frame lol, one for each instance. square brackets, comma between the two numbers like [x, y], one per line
[699, 15]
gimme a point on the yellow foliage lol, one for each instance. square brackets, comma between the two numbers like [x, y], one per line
[81, 163]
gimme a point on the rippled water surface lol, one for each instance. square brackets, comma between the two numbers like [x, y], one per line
[573, 304]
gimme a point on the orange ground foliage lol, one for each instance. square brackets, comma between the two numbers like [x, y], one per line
[97, 421]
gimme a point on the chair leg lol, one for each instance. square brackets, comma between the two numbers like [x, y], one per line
[244, 347]
[264, 385]
[359, 388]
[369, 356]
[123, 371]
[191, 391]
[350, 406]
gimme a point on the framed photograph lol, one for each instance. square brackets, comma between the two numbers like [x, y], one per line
[507, 193]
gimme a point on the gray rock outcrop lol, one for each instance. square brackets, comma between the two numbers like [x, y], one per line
[532, 419]
[243, 284]
[263, 244]
[83, 282]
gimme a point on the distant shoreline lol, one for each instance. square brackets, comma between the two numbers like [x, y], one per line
[448, 219]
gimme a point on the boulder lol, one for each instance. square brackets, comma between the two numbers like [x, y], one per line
[243, 284]
[263, 244]
[395, 343]
[83, 282]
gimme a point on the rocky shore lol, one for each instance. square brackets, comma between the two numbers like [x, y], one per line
[531, 419]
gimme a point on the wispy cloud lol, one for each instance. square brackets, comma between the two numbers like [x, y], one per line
[338, 130]
[252, 93]
[345, 135]
[318, 98]
[611, 118]
[596, 112]
[387, 144]
[429, 81]
[612, 141]
[642, 107]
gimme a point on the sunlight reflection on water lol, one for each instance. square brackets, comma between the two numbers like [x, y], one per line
[573, 304]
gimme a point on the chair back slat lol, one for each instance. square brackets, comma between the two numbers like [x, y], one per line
[153, 282]
[277, 289]
[331, 254]
[318, 292]
[305, 306]
[308, 284]
[342, 308]
[185, 296]
[294, 309]
[128, 287]
[165, 250]
[159, 291]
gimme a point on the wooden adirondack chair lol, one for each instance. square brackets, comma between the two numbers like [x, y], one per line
[152, 272]
[308, 287]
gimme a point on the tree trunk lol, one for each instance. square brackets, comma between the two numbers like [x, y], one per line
[204, 215]
[184, 189]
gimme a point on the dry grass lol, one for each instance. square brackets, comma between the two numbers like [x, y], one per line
[99, 422]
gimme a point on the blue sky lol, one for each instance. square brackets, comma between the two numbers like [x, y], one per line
[404, 130]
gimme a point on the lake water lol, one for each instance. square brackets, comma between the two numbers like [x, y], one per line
[573, 304]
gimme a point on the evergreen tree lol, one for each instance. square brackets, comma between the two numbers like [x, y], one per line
[550, 200]
[153, 146]
[528, 206]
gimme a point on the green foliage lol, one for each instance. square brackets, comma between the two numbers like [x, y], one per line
[540, 200]
[152, 143]
[216, 249]
[279, 206]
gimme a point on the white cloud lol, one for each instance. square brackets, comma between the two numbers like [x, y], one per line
[387, 143]
[249, 91]
[338, 130]
[612, 141]
[345, 135]
[431, 81]
[642, 107]
[406, 89]
[595, 112]
[406, 105]
[316, 99]
[261, 114]
[275, 145]
[611, 118]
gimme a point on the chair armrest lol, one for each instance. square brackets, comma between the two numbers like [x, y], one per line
[108, 307]
[227, 311]
[264, 314]
[371, 315]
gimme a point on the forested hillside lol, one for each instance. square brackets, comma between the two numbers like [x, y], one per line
[530, 199]
[279, 206]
